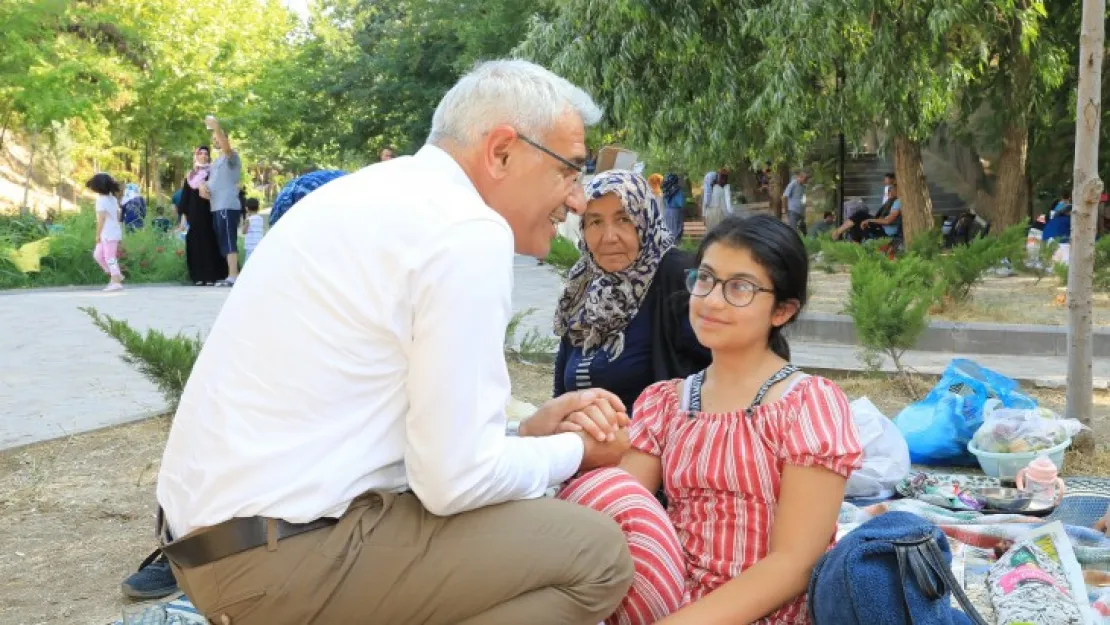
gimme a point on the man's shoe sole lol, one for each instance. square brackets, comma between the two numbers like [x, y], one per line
[149, 594]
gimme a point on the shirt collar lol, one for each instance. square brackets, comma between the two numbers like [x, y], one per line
[438, 158]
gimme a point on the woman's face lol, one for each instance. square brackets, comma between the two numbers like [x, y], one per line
[610, 233]
[723, 325]
[202, 157]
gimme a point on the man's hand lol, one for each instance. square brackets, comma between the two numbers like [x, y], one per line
[603, 454]
[211, 122]
[204, 192]
[1103, 524]
[595, 412]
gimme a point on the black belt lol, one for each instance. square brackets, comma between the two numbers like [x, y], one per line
[232, 537]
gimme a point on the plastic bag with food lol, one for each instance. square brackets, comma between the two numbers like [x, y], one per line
[1015, 431]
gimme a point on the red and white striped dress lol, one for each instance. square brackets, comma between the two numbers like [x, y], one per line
[721, 473]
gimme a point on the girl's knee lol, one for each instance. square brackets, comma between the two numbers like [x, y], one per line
[607, 488]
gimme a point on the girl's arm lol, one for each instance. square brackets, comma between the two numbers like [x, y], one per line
[646, 468]
[805, 521]
[100, 219]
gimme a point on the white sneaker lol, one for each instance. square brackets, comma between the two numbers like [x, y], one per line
[113, 286]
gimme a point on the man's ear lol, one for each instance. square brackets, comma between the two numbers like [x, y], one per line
[498, 150]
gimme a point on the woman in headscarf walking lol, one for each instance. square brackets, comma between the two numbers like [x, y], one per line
[202, 252]
[674, 203]
[624, 314]
[720, 201]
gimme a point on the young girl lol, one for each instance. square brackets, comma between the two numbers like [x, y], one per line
[108, 231]
[753, 454]
[252, 227]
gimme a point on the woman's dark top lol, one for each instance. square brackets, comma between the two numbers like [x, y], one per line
[202, 251]
[659, 343]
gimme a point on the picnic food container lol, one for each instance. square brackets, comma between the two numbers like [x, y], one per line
[1006, 466]
[1003, 499]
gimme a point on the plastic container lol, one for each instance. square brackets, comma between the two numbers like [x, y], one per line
[1006, 466]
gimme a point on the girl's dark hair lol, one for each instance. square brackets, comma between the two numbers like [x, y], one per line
[103, 184]
[778, 249]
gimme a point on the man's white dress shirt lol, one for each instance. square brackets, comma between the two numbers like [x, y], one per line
[361, 348]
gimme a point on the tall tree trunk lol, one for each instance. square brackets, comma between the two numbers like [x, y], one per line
[913, 189]
[779, 179]
[4, 128]
[1010, 202]
[23, 210]
[1085, 197]
[1010, 194]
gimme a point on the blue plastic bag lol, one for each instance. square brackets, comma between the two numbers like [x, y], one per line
[938, 428]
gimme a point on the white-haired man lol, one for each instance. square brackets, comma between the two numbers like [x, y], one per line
[340, 454]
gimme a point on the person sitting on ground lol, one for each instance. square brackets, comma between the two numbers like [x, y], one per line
[623, 315]
[132, 207]
[379, 481]
[161, 223]
[889, 180]
[1059, 226]
[753, 454]
[825, 226]
[852, 228]
[889, 218]
[298, 188]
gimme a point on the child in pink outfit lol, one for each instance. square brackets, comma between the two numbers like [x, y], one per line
[108, 230]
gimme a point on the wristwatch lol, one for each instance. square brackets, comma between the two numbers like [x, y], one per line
[512, 428]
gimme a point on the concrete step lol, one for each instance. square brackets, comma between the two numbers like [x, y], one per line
[1040, 371]
[1014, 340]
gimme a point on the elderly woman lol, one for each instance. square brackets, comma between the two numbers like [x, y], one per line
[624, 313]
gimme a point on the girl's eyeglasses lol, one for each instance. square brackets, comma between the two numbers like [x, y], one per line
[738, 292]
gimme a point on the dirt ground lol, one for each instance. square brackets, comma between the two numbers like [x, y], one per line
[996, 300]
[77, 512]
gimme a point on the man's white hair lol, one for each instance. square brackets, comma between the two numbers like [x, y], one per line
[524, 95]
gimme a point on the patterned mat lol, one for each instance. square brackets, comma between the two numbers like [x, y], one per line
[177, 611]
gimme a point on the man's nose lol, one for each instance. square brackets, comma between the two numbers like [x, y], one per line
[576, 199]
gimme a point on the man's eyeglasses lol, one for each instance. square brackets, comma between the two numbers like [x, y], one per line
[579, 169]
[739, 292]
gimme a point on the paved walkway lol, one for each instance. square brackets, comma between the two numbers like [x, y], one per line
[60, 375]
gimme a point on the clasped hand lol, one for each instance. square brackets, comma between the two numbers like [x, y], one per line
[597, 415]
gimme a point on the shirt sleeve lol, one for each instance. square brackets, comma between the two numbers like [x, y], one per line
[789, 189]
[821, 433]
[655, 406]
[457, 456]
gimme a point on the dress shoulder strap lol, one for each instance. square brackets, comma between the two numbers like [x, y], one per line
[787, 371]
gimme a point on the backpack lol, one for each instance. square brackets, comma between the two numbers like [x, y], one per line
[895, 564]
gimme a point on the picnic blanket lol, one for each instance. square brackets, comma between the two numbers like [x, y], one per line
[974, 537]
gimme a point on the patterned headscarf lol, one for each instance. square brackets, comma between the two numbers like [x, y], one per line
[671, 186]
[597, 306]
[200, 170]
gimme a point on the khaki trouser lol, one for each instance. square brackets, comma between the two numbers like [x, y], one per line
[390, 561]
